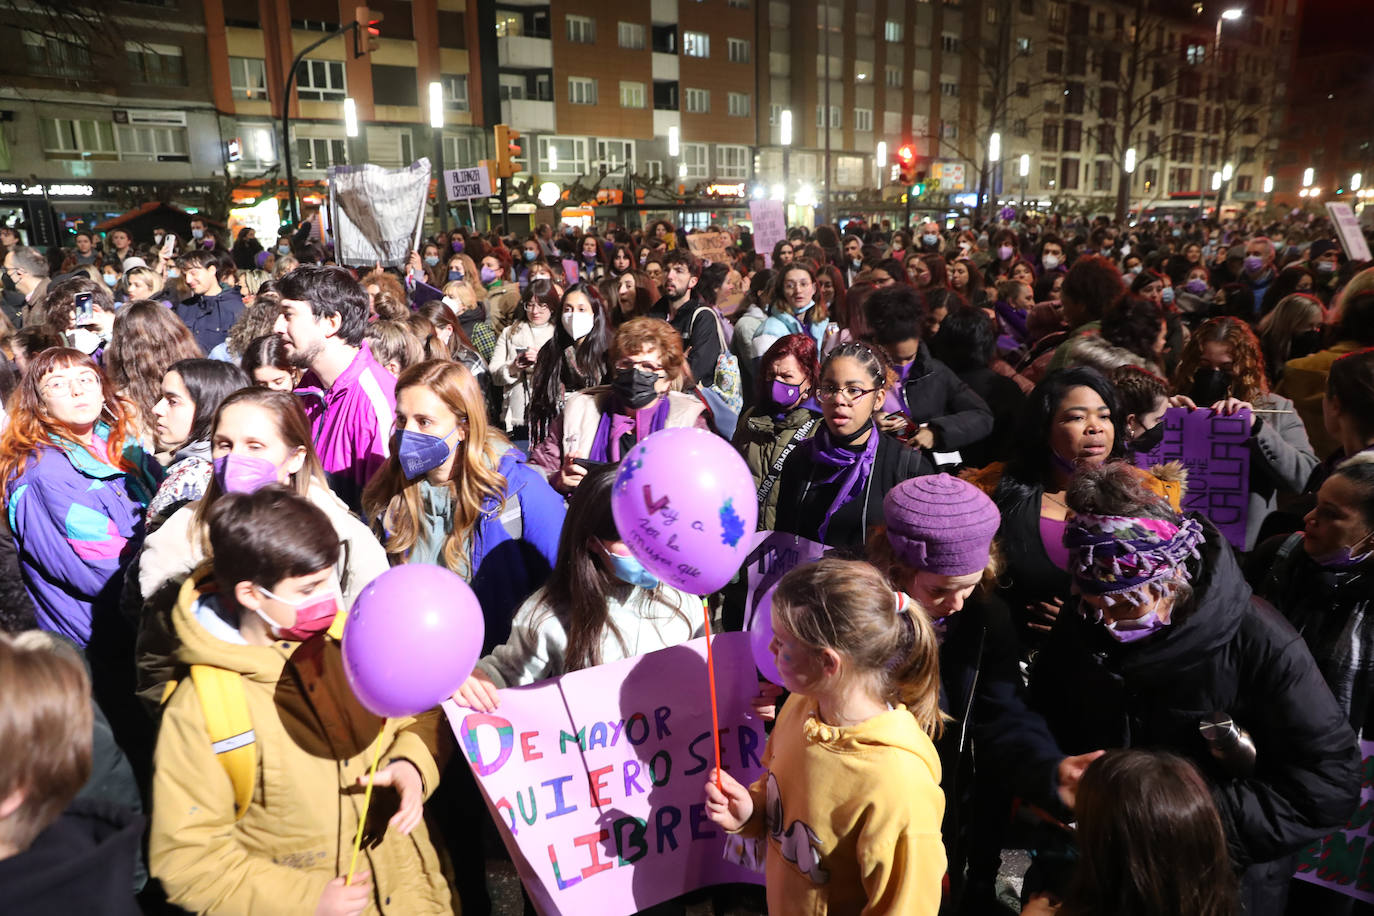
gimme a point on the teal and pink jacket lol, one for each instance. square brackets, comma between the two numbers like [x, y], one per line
[78, 523]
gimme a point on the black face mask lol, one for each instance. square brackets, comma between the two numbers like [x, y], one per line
[1210, 386]
[1149, 439]
[1305, 344]
[635, 387]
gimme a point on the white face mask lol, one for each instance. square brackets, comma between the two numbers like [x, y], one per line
[578, 324]
[1050, 261]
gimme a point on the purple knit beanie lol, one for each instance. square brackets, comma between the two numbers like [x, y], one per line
[941, 524]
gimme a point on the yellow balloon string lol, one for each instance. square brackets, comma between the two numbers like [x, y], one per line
[367, 800]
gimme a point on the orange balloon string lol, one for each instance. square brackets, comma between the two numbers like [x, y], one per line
[711, 679]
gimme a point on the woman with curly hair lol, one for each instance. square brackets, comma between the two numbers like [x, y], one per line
[256, 321]
[385, 294]
[1222, 368]
[148, 338]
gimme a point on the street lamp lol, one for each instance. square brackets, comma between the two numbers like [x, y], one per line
[350, 118]
[1307, 175]
[880, 160]
[1356, 180]
[552, 156]
[1023, 167]
[1216, 185]
[1227, 171]
[1230, 15]
[1130, 161]
[1268, 184]
[994, 147]
[436, 125]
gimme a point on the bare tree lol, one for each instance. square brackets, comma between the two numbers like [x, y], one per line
[79, 40]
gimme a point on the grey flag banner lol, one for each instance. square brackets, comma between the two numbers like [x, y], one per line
[378, 214]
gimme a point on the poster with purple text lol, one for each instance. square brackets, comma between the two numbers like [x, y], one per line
[597, 778]
[1215, 451]
[1344, 861]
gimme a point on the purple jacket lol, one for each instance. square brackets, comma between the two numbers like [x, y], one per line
[351, 423]
[78, 522]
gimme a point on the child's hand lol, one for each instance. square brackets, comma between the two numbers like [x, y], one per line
[478, 692]
[341, 900]
[405, 779]
[732, 808]
[766, 702]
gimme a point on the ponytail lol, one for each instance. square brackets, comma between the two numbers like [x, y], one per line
[848, 606]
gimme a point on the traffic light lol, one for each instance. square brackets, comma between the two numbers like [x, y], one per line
[367, 31]
[507, 150]
[906, 164]
[920, 184]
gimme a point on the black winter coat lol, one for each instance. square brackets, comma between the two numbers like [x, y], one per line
[209, 318]
[802, 502]
[935, 395]
[1225, 653]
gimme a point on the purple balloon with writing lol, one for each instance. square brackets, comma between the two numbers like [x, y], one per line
[411, 639]
[685, 504]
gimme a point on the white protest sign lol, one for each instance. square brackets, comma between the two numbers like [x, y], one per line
[1349, 232]
[770, 226]
[467, 184]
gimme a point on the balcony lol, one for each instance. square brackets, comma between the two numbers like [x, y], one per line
[529, 115]
[524, 52]
[665, 121]
[665, 66]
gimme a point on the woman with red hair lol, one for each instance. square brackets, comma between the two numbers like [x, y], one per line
[782, 416]
[76, 481]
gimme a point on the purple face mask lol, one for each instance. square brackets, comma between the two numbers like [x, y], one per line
[1196, 287]
[784, 395]
[1129, 631]
[457, 246]
[1004, 253]
[243, 473]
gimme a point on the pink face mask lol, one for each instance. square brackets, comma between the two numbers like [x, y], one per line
[313, 615]
[243, 473]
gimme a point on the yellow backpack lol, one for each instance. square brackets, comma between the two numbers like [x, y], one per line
[230, 727]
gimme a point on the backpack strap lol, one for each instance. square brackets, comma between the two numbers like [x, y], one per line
[715, 319]
[225, 705]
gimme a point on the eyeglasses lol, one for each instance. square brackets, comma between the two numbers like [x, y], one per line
[829, 393]
[644, 364]
[71, 385]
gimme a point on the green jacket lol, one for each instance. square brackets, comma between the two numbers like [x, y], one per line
[762, 441]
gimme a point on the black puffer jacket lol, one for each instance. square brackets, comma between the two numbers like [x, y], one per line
[935, 395]
[1229, 654]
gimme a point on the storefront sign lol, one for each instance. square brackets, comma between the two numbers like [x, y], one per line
[52, 190]
[725, 190]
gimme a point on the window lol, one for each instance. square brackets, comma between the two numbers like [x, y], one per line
[581, 30]
[1054, 60]
[1023, 46]
[863, 71]
[696, 159]
[774, 115]
[1106, 102]
[739, 104]
[737, 49]
[248, 77]
[1023, 90]
[631, 35]
[1195, 54]
[738, 4]
[948, 88]
[1073, 98]
[1245, 183]
[631, 94]
[1019, 128]
[152, 144]
[455, 91]
[732, 161]
[1048, 175]
[615, 156]
[1182, 180]
[696, 44]
[390, 146]
[68, 138]
[949, 130]
[51, 55]
[892, 30]
[570, 153]
[697, 101]
[863, 119]
[1106, 137]
[892, 77]
[949, 43]
[320, 152]
[1049, 136]
[155, 64]
[1102, 176]
[1068, 175]
[581, 91]
[458, 152]
[892, 123]
[1073, 136]
[320, 81]
[835, 119]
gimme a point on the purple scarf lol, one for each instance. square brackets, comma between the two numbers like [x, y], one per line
[853, 467]
[606, 445]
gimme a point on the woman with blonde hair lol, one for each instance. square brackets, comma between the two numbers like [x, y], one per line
[141, 283]
[454, 492]
[1291, 331]
[147, 340]
[472, 317]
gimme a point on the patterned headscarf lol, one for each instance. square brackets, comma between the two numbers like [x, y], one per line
[1130, 557]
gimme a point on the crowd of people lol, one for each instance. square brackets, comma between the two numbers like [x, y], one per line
[1017, 634]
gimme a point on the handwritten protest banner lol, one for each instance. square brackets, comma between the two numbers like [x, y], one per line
[773, 556]
[466, 184]
[1215, 451]
[1344, 861]
[710, 246]
[770, 226]
[597, 778]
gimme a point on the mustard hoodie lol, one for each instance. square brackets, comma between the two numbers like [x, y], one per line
[313, 741]
[852, 815]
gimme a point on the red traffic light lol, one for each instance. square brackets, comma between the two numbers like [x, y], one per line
[906, 153]
[906, 164]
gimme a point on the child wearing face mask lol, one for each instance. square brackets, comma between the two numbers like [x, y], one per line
[266, 610]
[599, 605]
[454, 492]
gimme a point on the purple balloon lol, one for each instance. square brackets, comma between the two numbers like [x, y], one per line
[686, 506]
[412, 638]
[761, 637]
